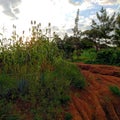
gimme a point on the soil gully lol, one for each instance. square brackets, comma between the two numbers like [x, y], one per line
[96, 101]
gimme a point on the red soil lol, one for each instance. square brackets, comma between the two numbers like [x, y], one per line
[96, 101]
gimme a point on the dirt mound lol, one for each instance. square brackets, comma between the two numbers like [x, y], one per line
[96, 101]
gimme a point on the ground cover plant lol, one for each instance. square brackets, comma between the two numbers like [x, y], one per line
[115, 89]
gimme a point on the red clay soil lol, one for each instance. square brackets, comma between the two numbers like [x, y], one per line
[96, 101]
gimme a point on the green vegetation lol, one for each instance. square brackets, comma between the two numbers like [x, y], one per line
[68, 116]
[36, 73]
[108, 56]
[96, 44]
[115, 90]
[88, 56]
[40, 72]
[5, 111]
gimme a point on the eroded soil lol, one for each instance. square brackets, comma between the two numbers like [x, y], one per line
[96, 101]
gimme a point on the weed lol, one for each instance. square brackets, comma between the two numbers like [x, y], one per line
[68, 116]
[115, 90]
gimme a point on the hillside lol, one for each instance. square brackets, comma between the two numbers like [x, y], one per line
[96, 101]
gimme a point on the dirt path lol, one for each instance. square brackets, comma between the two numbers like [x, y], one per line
[96, 101]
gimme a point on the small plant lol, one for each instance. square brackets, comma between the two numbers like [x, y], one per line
[70, 72]
[5, 111]
[68, 116]
[12, 117]
[7, 84]
[23, 87]
[64, 99]
[88, 56]
[115, 90]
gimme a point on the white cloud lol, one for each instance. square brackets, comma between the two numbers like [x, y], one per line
[105, 2]
[9, 7]
[86, 5]
[110, 11]
[60, 13]
[86, 23]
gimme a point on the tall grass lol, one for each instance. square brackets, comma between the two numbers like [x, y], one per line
[35, 71]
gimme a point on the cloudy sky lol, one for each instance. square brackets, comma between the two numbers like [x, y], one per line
[60, 13]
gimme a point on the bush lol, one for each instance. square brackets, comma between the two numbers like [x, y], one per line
[88, 56]
[71, 72]
[105, 56]
[108, 56]
[68, 116]
[6, 111]
[23, 87]
[64, 99]
[115, 90]
[7, 84]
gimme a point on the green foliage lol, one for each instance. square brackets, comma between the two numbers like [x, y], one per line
[5, 111]
[49, 92]
[116, 37]
[88, 56]
[36, 72]
[70, 44]
[70, 72]
[104, 26]
[75, 29]
[115, 89]
[64, 99]
[108, 56]
[23, 87]
[7, 83]
[68, 116]
[86, 43]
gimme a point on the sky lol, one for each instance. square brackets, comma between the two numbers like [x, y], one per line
[60, 13]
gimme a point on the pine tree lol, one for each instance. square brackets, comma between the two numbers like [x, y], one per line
[75, 29]
[116, 38]
[104, 26]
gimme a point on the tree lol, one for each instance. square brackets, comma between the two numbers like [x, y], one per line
[92, 36]
[86, 43]
[116, 37]
[104, 27]
[70, 44]
[57, 40]
[75, 29]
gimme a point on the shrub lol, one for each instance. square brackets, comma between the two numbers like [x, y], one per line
[7, 84]
[88, 56]
[68, 116]
[115, 90]
[23, 87]
[108, 56]
[105, 56]
[5, 111]
[64, 99]
[71, 72]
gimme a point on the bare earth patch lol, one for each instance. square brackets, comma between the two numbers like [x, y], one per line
[96, 101]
